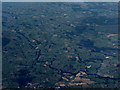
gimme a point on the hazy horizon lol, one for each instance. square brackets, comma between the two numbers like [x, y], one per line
[59, 0]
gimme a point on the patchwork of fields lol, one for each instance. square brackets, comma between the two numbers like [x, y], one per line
[60, 45]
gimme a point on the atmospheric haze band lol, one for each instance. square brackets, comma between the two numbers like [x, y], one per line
[60, 0]
[0, 45]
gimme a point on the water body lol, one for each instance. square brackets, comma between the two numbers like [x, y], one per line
[5, 41]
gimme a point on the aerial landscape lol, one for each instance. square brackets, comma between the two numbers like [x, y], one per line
[60, 45]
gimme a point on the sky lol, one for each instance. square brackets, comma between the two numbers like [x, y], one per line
[59, 0]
